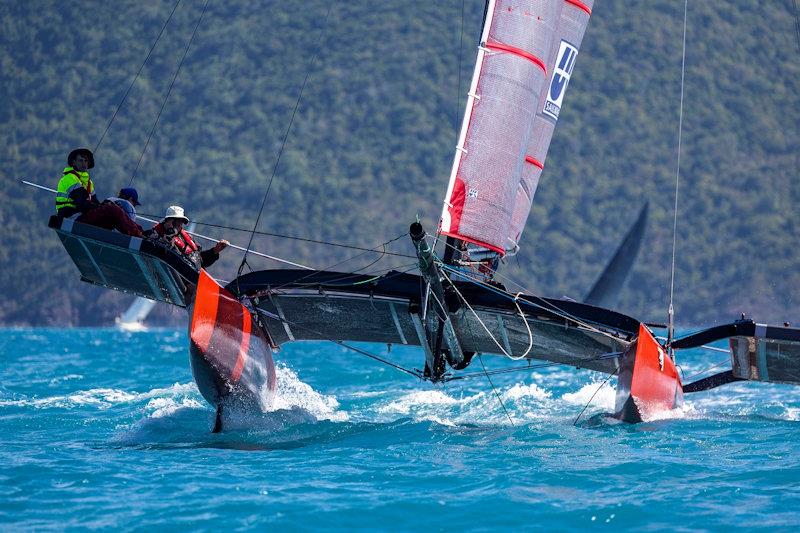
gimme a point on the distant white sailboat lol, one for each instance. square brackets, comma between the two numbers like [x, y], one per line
[133, 318]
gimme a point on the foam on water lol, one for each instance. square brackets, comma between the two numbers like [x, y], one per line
[293, 393]
[102, 398]
[521, 402]
[597, 395]
[161, 407]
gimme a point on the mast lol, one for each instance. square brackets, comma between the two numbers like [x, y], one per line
[446, 222]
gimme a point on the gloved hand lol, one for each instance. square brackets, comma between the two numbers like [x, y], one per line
[221, 245]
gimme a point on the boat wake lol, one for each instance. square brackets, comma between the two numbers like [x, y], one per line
[299, 413]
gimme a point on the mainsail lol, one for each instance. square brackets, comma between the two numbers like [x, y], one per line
[527, 53]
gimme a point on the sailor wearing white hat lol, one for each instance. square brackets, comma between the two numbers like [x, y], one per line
[170, 230]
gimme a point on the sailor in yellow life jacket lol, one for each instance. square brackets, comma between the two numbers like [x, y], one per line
[75, 188]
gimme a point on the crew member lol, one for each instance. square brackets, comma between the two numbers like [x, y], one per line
[75, 192]
[75, 196]
[127, 199]
[170, 230]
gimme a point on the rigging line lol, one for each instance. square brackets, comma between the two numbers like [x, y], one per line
[145, 217]
[211, 239]
[499, 399]
[533, 367]
[575, 423]
[386, 276]
[478, 318]
[363, 268]
[527, 326]
[103, 136]
[337, 282]
[704, 346]
[302, 239]
[797, 24]
[324, 269]
[322, 33]
[334, 283]
[382, 273]
[349, 275]
[552, 308]
[169, 91]
[341, 343]
[715, 349]
[502, 350]
[377, 358]
[671, 309]
[706, 370]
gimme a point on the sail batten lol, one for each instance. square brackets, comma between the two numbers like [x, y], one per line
[518, 51]
[535, 162]
[521, 71]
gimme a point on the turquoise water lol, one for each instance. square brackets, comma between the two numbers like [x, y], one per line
[105, 429]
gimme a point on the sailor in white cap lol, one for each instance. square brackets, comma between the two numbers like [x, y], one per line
[170, 229]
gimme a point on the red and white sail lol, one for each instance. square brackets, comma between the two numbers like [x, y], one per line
[573, 18]
[514, 99]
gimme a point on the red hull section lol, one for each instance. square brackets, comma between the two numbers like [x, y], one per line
[648, 381]
[231, 358]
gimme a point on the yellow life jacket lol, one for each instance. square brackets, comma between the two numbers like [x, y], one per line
[71, 180]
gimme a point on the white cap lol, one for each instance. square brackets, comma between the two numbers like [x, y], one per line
[176, 211]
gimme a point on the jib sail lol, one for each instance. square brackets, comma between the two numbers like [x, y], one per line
[527, 53]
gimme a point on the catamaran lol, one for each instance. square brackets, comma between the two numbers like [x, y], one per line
[456, 305]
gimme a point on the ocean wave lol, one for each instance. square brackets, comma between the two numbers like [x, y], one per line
[102, 398]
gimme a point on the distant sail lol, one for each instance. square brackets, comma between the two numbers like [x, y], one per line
[606, 289]
[133, 318]
[510, 85]
[573, 18]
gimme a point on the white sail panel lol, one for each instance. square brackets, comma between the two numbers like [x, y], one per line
[508, 82]
[133, 318]
[572, 21]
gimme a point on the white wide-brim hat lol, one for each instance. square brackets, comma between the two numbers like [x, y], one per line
[176, 211]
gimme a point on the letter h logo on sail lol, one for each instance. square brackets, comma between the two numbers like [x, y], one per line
[558, 85]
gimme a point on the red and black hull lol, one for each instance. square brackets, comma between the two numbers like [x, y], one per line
[231, 358]
[648, 381]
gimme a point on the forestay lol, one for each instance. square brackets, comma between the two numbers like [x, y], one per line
[527, 53]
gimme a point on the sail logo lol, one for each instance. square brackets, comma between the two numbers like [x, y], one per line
[565, 62]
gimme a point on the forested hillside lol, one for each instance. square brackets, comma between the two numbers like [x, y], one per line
[373, 139]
